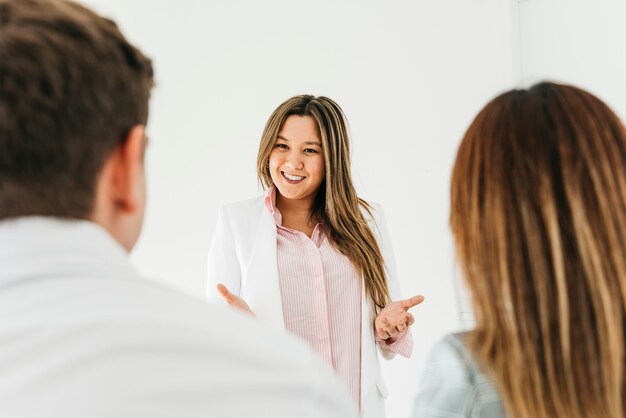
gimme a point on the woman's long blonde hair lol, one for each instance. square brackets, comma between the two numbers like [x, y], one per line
[538, 213]
[336, 205]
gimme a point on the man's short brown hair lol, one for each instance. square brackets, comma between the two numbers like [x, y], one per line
[71, 87]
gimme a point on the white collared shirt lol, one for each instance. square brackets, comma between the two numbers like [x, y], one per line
[81, 335]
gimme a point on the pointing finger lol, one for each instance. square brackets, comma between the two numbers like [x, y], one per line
[228, 297]
[411, 302]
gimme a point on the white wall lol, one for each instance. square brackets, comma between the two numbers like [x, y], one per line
[410, 76]
[582, 42]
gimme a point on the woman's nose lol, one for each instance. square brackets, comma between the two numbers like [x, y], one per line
[295, 161]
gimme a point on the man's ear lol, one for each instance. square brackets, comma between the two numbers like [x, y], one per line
[127, 171]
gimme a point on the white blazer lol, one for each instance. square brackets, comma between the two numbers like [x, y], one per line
[242, 256]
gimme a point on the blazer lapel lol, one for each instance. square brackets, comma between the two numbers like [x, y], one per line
[261, 287]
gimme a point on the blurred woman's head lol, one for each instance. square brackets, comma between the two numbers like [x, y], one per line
[538, 214]
[305, 153]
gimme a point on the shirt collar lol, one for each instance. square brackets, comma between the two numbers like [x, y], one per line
[42, 246]
[270, 204]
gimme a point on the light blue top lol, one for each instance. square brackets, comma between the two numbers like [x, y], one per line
[453, 386]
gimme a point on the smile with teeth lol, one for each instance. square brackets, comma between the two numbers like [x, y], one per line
[292, 177]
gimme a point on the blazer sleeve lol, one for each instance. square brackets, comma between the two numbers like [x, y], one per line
[223, 264]
[384, 242]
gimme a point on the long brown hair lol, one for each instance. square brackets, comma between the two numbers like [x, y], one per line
[336, 204]
[538, 213]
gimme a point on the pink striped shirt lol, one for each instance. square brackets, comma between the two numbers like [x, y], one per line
[321, 299]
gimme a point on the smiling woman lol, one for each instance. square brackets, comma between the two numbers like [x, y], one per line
[310, 256]
[296, 161]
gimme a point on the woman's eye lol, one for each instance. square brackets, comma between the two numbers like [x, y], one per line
[282, 146]
[310, 151]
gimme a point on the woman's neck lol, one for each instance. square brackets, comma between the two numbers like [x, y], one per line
[296, 214]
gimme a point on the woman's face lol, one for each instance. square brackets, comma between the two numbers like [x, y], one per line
[297, 160]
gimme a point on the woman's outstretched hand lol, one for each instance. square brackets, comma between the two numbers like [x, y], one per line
[233, 300]
[395, 318]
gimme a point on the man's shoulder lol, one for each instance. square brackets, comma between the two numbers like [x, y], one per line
[136, 340]
[98, 303]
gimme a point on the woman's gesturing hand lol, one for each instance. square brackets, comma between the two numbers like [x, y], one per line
[233, 300]
[395, 318]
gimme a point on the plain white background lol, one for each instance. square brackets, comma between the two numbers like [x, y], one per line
[410, 75]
